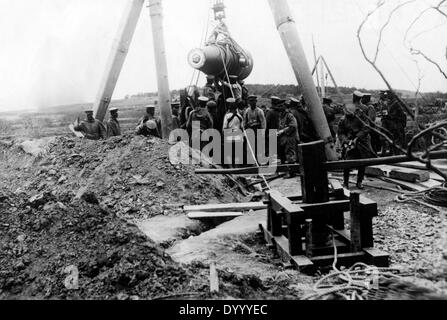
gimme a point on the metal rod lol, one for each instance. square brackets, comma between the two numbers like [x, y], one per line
[292, 43]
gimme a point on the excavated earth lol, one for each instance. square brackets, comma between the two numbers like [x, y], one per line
[68, 216]
[69, 212]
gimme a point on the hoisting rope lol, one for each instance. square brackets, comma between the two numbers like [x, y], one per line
[355, 283]
[245, 133]
[434, 197]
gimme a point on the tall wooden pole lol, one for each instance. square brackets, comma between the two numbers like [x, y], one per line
[316, 64]
[333, 80]
[292, 43]
[323, 81]
[117, 57]
[164, 94]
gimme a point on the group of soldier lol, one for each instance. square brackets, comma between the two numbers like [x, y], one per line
[226, 106]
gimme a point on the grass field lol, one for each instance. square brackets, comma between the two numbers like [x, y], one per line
[54, 121]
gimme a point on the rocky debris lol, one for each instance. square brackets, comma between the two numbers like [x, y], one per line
[81, 253]
[132, 175]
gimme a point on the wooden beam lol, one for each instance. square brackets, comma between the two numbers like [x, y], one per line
[161, 65]
[214, 278]
[302, 263]
[249, 171]
[247, 206]
[117, 57]
[199, 215]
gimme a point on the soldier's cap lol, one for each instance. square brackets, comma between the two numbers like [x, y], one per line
[211, 104]
[252, 97]
[294, 102]
[327, 101]
[358, 94]
[277, 100]
[231, 100]
[210, 77]
[175, 104]
[113, 110]
[89, 111]
[203, 99]
[233, 77]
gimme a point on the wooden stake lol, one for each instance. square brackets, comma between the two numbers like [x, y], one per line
[214, 278]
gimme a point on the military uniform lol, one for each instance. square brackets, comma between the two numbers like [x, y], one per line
[92, 129]
[149, 125]
[329, 112]
[233, 126]
[396, 122]
[113, 125]
[355, 138]
[287, 137]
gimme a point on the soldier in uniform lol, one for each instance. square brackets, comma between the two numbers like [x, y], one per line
[209, 90]
[232, 89]
[212, 110]
[395, 121]
[113, 125]
[329, 112]
[175, 107]
[272, 118]
[254, 119]
[371, 112]
[287, 136]
[305, 127]
[92, 128]
[233, 126]
[202, 116]
[355, 139]
[149, 124]
[245, 94]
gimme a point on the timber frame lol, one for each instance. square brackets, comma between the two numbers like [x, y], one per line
[305, 228]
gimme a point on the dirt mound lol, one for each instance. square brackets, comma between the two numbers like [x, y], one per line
[64, 219]
[132, 175]
[78, 250]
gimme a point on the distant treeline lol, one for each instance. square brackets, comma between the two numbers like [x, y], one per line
[284, 91]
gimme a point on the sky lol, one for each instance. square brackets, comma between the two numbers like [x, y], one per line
[53, 52]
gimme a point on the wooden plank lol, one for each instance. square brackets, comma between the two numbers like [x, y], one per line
[409, 175]
[407, 185]
[336, 205]
[214, 278]
[302, 263]
[198, 215]
[343, 259]
[431, 183]
[420, 166]
[377, 257]
[377, 171]
[281, 203]
[356, 241]
[337, 189]
[227, 207]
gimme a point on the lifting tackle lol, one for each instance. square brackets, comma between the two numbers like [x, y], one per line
[221, 52]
